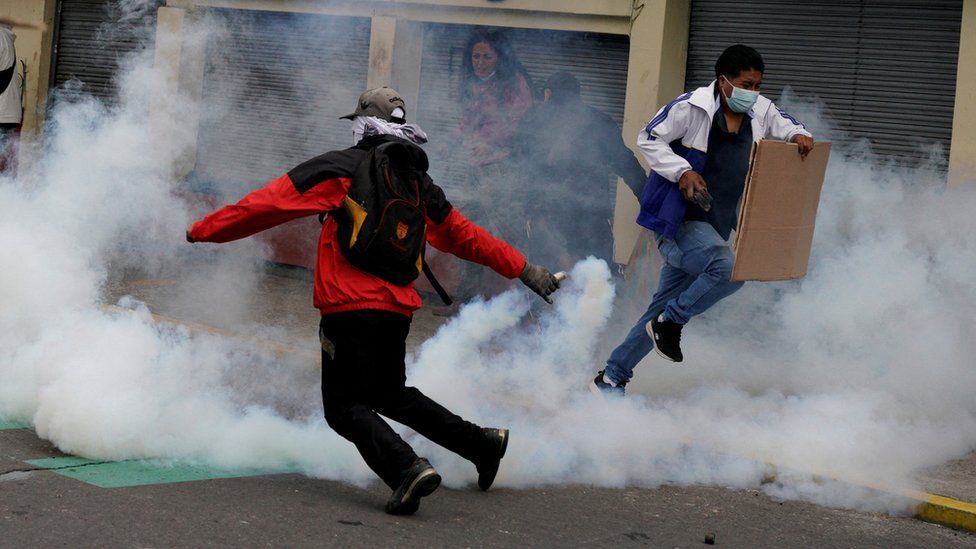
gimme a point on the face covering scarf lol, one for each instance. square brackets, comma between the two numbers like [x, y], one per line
[741, 99]
[366, 126]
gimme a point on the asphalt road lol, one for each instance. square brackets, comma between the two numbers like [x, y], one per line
[43, 509]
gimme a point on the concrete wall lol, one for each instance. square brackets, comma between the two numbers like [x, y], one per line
[656, 75]
[179, 54]
[608, 16]
[33, 47]
[962, 154]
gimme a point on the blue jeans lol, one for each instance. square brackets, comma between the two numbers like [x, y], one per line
[696, 275]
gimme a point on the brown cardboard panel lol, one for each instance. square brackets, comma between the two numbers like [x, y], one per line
[778, 211]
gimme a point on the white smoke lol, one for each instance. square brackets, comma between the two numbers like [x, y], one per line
[111, 385]
[860, 371]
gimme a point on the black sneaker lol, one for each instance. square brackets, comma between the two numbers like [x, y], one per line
[602, 388]
[420, 480]
[488, 468]
[667, 338]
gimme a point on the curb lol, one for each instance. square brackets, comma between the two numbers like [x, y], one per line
[946, 511]
[953, 513]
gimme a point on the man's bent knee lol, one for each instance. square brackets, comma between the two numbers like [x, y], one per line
[339, 415]
[721, 263]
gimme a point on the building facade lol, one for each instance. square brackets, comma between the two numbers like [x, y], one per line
[899, 74]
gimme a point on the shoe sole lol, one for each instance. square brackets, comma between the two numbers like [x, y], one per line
[595, 390]
[650, 334]
[422, 486]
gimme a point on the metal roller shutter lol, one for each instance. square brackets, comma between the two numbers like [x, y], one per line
[274, 89]
[94, 35]
[599, 61]
[886, 70]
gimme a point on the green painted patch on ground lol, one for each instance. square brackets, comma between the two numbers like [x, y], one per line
[118, 474]
[7, 424]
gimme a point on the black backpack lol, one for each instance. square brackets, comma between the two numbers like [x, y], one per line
[383, 222]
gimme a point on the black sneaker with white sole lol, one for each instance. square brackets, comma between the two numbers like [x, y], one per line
[488, 467]
[420, 480]
[667, 338]
[602, 388]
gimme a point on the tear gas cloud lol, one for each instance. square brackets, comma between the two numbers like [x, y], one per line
[99, 196]
[861, 370]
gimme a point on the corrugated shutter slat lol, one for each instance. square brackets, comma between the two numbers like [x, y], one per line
[94, 35]
[598, 61]
[275, 87]
[886, 70]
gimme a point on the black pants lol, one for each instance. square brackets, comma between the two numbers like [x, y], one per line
[363, 376]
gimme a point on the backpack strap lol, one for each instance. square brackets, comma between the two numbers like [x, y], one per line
[6, 76]
[435, 284]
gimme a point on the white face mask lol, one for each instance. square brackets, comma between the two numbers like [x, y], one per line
[358, 127]
[359, 123]
[365, 126]
[741, 99]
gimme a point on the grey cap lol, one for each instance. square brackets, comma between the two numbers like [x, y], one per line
[379, 102]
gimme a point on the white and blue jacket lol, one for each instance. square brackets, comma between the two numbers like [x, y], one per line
[676, 140]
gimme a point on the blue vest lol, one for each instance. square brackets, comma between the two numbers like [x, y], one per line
[662, 204]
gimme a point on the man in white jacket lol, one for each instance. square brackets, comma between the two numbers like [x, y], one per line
[698, 149]
[10, 102]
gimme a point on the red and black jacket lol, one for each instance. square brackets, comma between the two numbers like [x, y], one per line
[320, 186]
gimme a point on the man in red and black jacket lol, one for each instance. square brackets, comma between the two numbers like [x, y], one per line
[365, 319]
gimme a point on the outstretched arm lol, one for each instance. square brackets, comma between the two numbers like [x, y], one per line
[457, 235]
[277, 202]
